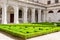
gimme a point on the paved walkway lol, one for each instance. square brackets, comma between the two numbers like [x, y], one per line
[5, 36]
[52, 36]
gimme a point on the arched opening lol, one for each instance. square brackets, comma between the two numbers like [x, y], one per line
[42, 15]
[56, 1]
[58, 11]
[48, 2]
[29, 15]
[0, 15]
[20, 15]
[36, 15]
[10, 14]
[51, 11]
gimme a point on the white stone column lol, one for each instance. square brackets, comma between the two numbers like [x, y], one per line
[44, 19]
[46, 15]
[39, 15]
[25, 19]
[16, 9]
[33, 15]
[4, 14]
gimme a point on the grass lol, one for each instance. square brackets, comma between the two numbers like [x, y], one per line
[29, 30]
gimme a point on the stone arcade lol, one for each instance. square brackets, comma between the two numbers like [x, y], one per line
[29, 11]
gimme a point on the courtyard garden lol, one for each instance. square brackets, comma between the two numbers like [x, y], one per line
[30, 30]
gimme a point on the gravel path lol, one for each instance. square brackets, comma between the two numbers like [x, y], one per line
[5, 36]
[52, 36]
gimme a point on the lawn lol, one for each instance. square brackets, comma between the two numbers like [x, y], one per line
[26, 31]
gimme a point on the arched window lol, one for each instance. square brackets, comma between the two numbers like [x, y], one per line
[0, 12]
[50, 12]
[20, 13]
[56, 1]
[49, 2]
[58, 11]
[36, 15]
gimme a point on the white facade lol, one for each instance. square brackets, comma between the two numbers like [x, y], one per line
[29, 11]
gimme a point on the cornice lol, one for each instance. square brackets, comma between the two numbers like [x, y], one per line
[32, 3]
[53, 5]
[38, 4]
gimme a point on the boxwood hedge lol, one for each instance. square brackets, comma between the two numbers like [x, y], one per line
[28, 30]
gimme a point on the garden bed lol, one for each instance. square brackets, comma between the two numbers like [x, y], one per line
[26, 31]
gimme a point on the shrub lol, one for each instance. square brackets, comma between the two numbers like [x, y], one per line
[29, 30]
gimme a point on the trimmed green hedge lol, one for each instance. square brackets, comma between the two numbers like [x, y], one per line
[28, 30]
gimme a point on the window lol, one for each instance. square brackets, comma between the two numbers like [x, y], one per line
[50, 12]
[1, 13]
[58, 11]
[37, 1]
[49, 2]
[56, 1]
[31, 0]
[42, 11]
[20, 13]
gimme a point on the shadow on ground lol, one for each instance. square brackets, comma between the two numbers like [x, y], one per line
[6, 36]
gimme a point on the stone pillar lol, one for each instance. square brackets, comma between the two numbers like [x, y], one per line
[16, 9]
[55, 16]
[44, 20]
[4, 14]
[46, 15]
[25, 19]
[33, 15]
[39, 15]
